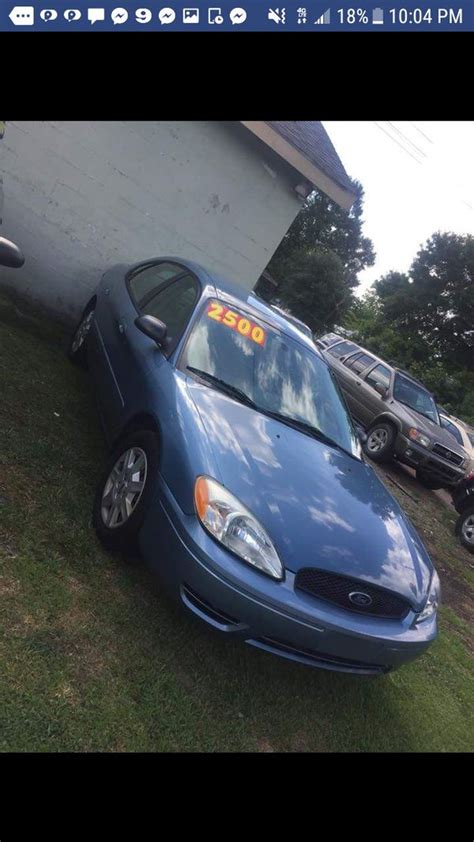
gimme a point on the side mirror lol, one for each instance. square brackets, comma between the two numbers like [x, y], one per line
[381, 390]
[153, 328]
[361, 433]
[10, 254]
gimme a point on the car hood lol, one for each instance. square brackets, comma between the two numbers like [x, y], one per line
[435, 431]
[321, 507]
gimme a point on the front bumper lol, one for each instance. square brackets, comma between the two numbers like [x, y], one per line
[233, 598]
[416, 456]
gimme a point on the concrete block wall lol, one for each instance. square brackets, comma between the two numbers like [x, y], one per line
[81, 196]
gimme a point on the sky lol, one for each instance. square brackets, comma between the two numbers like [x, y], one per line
[418, 178]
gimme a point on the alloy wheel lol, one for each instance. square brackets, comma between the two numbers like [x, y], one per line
[377, 440]
[467, 529]
[124, 487]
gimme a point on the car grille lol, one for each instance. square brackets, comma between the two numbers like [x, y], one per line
[336, 589]
[447, 454]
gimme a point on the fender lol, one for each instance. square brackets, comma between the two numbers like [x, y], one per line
[387, 416]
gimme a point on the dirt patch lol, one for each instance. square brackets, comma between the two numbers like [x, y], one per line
[7, 547]
[8, 586]
[74, 585]
[264, 745]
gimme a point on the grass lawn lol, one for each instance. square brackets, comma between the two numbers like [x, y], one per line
[95, 658]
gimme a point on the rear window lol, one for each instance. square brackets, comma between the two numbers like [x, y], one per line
[340, 349]
[379, 374]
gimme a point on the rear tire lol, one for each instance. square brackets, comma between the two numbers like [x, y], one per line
[464, 529]
[380, 443]
[427, 480]
[77, 351]
[126, 489]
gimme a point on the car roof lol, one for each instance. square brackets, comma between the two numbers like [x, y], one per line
[248, 299]
[379, 361]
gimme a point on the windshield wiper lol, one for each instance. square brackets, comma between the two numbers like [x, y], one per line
[230, 390]
[238, 394]
[304, 427]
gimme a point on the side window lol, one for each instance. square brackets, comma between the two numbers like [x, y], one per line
[359, 363]
[379, 374]
[340, 349]
[146, 281]
[173, 305]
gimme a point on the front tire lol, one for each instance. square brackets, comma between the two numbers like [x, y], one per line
[465, 529]
[380, 443]
[77, 351]
[125, 490]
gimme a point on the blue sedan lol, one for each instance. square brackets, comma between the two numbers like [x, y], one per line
[236, 469]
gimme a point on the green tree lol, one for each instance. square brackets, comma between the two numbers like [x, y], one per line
[323, 226]
[326, 240]
[367, 320]
[313, 289]
[436, 299]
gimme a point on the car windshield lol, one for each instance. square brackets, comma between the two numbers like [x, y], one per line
[270, 371]
[414, 396]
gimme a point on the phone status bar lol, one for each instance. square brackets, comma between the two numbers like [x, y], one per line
[256, 16]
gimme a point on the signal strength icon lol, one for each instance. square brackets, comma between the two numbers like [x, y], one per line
[325, 18]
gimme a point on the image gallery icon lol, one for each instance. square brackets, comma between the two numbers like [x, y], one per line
[166, 16]
[190, 15]
[22, 15]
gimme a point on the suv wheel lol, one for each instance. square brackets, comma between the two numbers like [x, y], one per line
[125, 490]
[379, 445]
[465, 529]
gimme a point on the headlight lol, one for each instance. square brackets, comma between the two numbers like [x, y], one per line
[433, 600]
[230, 523]
[419, 437]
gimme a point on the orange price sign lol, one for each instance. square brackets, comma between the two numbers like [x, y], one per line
[229, 318]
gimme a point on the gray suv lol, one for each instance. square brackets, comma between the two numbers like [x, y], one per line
[398, 412]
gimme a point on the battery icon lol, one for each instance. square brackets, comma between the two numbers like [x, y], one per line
[377, 16]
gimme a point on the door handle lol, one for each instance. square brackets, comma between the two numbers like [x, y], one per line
[357, 382]
[121, 327]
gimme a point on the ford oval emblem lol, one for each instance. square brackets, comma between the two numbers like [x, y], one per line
[363, 600]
